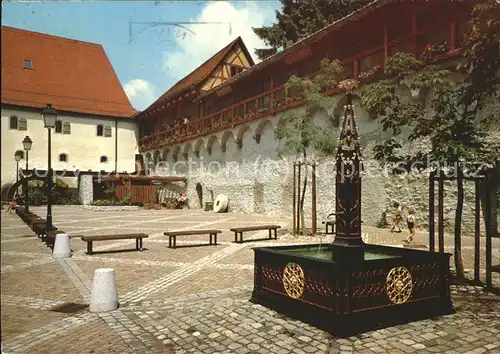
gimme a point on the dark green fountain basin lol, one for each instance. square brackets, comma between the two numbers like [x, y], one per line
[352, 289]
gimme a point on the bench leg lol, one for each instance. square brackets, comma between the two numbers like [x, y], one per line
[137, 244]
[89, 247]
[175, 240]
[235, 237]
[210, 235]
[241, 237]
[215, 239]
[169, 241]
[270, 234]
[140, 244]
[275, 234]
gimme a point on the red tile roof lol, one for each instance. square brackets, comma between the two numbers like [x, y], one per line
[201, 73]
[72, 75]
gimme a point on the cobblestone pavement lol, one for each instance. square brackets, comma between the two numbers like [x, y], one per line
[195, 299]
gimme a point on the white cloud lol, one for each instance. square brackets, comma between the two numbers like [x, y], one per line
[210, 38]
[140, 92]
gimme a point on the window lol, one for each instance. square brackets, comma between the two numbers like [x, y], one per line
[13, 122]
[63, 157]
[28, 64]
[235, 70]
[20, 153]
[104, 159]
[100, 130]
[66, 128]
[23, 124]
[18, 123]
[107, 131]
[58, 126]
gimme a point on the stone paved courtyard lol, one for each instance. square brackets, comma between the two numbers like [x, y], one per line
[194, 299]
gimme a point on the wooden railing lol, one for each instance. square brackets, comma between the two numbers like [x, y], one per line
[267, 103]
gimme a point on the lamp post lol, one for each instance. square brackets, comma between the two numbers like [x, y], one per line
[17, 157]
[27, 147]
[49, 115]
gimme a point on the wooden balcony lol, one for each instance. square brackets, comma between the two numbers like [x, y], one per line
[276, 99]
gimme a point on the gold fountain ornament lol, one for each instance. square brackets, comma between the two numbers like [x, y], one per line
[399, 285]
[293, 280]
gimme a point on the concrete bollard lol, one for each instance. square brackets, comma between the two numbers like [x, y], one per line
[62, 246]
[104, 296]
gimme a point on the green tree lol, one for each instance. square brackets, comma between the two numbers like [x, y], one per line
[299, 132]
[299, 19]
[461, 117]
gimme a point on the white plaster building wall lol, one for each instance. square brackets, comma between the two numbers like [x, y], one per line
[82, 146]
[257, 181]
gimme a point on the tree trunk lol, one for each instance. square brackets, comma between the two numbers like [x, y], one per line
[302, 198]
[459, 266]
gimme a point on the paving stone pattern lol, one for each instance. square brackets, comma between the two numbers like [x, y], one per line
[195, 299]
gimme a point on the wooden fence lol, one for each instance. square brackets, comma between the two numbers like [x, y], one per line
[140, 193]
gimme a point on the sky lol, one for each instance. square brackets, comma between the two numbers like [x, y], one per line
[147, 58]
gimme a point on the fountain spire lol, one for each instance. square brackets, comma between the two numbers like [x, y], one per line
[348, 176]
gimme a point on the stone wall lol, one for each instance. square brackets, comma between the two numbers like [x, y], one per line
[86, 189]
[256, 180]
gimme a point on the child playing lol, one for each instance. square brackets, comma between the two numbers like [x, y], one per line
[411, 224]
[397, 218]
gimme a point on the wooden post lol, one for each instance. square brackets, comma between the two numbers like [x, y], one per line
[294, 199]
[441, 211]
[299, 166]
[386, 45]
[432, 221]
[453, 34]
[487, 208]
[477, 234]
[355, 66]
[414, 34]
[272, 94]
[313, 188]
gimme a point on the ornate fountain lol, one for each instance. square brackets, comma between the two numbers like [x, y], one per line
[349, 286]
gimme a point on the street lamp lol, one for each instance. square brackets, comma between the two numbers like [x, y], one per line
[27, 147]
[49, 115]
[17, 157]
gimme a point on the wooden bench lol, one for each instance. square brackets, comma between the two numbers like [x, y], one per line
[240, 230]
[138, 240]
[34, 221]
[172, 236]
[40, 228]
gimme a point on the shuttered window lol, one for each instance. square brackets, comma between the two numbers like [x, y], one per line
[23, 124]
[13, 124]
[107, 131]
[58, 126]
[66, 128]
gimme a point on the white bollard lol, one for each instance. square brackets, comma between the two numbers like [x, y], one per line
[104, 296]
[62, 246]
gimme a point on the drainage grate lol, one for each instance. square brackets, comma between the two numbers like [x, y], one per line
[69, 307]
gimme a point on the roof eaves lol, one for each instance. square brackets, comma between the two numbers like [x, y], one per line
[307, 40]
[193, 86]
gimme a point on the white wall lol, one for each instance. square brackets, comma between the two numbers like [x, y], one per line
[83, 147]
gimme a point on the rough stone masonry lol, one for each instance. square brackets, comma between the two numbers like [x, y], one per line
[243, 163]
